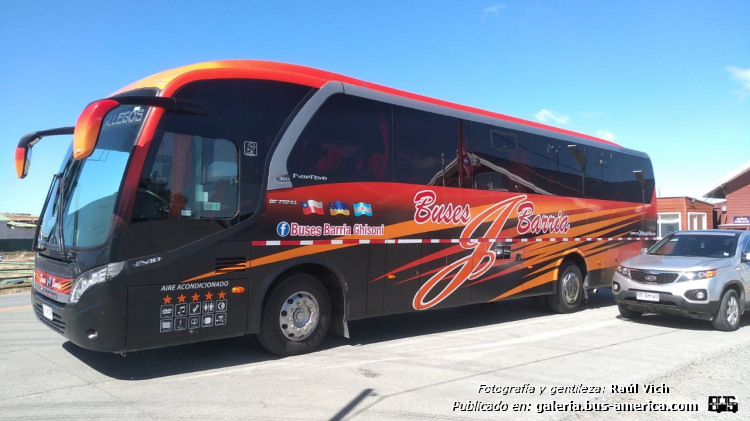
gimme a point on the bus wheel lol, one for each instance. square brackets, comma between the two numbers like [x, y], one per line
[569, 290]
[296, 316]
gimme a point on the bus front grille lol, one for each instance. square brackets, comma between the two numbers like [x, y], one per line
[55, 268]
[56, 323]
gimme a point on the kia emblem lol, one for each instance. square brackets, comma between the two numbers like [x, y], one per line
[650, 278]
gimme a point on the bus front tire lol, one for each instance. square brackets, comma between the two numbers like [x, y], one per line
[569, 290]
[296, 316]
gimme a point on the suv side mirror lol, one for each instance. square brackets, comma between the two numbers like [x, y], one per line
[644, 250]
[745, 257]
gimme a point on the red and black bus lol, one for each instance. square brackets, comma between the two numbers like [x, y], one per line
[250, 197]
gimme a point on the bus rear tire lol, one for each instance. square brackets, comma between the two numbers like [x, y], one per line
[569, 290]
[296, 316]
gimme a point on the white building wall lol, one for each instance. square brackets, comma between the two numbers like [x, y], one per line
[12, 233]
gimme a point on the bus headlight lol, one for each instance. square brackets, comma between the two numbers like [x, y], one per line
[93, 277]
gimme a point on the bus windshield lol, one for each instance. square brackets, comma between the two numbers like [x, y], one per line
[90, 186]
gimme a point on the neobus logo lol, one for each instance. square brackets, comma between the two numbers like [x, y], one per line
[147, 262]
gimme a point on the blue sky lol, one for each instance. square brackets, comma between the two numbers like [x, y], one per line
[671, 78]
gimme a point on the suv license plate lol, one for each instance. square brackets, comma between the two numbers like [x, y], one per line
[47, 311]
[647, 296]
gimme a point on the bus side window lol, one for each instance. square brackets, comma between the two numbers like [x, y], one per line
[598, 172]
[504, 159]
[558, 172]
[633, 179]
[347, 140]
[190, 177]
[426, 146]
[221, 181]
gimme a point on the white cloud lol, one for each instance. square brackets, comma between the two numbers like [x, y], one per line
[742, 76]
[493, 9]
[551, 117]
[606, 135]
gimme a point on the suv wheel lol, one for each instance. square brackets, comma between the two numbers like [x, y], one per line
[628, 313]
[727, 318]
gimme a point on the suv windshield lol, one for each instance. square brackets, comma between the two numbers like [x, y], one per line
[91, 185]
[696, 245]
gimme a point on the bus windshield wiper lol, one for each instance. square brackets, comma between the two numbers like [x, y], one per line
[35, 244]
[60, 199]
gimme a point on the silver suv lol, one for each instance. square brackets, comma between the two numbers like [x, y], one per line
[699, 274]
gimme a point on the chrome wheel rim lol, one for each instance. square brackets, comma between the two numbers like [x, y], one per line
[733, 311]
[299, 316]
[571, 286]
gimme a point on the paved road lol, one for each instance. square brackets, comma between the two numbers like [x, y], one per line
[398, 367]
[11, 301]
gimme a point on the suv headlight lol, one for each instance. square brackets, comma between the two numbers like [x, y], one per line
[93, 277]
[705, 274]
[622, 270]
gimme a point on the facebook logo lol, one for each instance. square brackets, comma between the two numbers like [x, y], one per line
[282, 229]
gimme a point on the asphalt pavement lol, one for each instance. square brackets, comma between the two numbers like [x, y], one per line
[428, 365]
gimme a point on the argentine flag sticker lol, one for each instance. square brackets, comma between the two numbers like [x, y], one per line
[362, 208]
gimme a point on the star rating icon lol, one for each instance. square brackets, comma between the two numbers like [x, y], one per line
[209, 295]
[167, 299]
[222, 294]
[195, 297]
[181, 298]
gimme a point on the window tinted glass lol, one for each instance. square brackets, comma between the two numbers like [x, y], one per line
[250, 113]
[204, 173]
[348, 139]
[426, 145]
[598, 165]
[191, 178]
[558, 167]
[631, 179]
[504, 158]
[504, 141]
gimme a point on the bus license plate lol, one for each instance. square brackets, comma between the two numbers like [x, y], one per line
[47, 311]
[647, 296]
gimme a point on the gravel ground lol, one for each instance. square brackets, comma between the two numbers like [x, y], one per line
[723, 374]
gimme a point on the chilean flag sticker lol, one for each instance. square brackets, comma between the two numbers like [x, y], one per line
[311, 207]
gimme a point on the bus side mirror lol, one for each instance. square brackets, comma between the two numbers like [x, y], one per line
[23, 150]
[23, 161]
[88, 126]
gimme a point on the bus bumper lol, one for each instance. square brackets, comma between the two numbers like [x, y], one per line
[96, 322]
